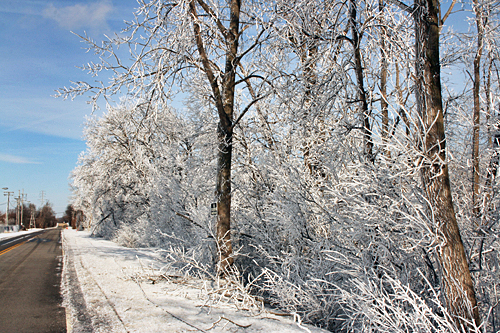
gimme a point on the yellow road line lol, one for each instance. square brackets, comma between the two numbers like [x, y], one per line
[11, 248]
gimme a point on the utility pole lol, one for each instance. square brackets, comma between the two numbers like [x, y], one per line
[42, 202]
[18, 208]
[32, 217]
[22, 206]
[28, 203]
[8, 194]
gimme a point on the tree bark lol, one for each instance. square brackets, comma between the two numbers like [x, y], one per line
[224, 102]
[223, 194]
[307, 50]
[308, 54]
[476, 114]
[494, 161]
[358, 68]
[457, 282]
[384, 105]
[493, 138]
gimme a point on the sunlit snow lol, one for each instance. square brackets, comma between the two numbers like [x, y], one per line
[109, 288]
[6, 235]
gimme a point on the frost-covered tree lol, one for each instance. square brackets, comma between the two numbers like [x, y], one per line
[185, 41]
[130, 149]
[321, 134]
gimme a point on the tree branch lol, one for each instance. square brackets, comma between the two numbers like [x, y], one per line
[251, 76]
[448, 12]
[402, 6]
[236, 61]
[246, 110]
[210, 12]
[226, 122]
[344, 37]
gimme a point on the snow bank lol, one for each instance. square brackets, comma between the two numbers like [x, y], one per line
[109, 288]
[6, 235]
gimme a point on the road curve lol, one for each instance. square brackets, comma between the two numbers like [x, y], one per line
[30, 277]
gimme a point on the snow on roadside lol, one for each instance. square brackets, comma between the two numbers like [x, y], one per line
[103, 292]
[6, 235]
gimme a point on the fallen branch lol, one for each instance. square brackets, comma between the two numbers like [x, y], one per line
[229, 320]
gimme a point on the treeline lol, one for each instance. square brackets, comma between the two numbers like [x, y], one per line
[349, 151]
[31, 216]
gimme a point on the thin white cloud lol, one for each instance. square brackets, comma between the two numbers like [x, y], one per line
[79, 16]
[16, 159]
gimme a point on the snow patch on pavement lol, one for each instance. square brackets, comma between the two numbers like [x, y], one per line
[106, 289]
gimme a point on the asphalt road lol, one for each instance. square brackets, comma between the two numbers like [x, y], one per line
[30, 278]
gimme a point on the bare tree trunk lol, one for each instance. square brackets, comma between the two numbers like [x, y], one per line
[458, 287]
[489, 100]
[223, 194]
[308, 61]
[494, 143]
[493, 139]
[384, 105]
[358, 68]
[224, 102]
[476, 114]
[493, 167]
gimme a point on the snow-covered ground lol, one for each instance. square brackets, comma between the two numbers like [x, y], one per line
[5, 235]
[109, 288]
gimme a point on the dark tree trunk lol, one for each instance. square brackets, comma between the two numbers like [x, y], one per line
[307, 50]
[457, 282]
[308, 61]
[224, 102]
[476, 115]
[223, 193]
[225, 134]
[493, 138]
[358, 68]
[384, 105]
[493, 167]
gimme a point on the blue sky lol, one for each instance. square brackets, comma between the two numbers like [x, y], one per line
[41, 136]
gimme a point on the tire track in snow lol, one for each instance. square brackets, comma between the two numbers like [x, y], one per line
[96, 318]
[73, 296]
